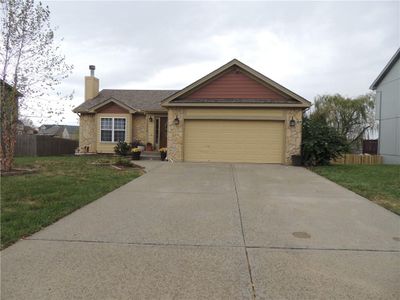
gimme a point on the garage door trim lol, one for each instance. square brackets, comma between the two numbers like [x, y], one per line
[280, 120]
[235, 118]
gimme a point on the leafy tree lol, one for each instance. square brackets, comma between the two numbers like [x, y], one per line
[321, 142]
[352, 118]
[31, 65]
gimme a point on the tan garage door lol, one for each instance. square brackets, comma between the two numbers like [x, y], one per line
[233, 141]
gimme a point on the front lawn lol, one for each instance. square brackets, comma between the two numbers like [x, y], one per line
[62, 185]
[378, 183]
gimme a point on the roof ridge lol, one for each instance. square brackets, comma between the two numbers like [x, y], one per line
[393, 60]
[138, 90]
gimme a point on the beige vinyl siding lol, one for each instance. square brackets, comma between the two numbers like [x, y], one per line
[108, 147]
[234, 141]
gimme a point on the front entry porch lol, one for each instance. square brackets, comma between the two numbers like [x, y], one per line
[160, 135]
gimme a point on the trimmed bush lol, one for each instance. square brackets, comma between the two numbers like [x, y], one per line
[320, 142]
[122, 148]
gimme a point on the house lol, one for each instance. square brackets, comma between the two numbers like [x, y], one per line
[25, 129]
[61, 131]
[387, 102]
[233, 114]
[20, 127]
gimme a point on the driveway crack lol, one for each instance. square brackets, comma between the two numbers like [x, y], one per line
[241, 226]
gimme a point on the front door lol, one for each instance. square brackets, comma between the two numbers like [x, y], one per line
[163, 131]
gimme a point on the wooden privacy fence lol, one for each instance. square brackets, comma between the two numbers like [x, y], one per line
[370, 146]
[359, 159]
[42, 145]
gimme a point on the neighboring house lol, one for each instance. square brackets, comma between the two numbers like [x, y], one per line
[387, 87]
[62, 131]
[24, 129]
[20, 127]
[233, 114]
[30, 130]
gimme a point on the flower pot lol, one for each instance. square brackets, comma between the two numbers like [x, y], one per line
[136, 155]
[296, 160]
[149, 147]
[163, 155]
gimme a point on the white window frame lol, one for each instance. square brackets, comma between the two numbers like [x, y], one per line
[112, 129]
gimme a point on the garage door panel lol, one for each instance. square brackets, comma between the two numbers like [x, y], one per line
[233, 141]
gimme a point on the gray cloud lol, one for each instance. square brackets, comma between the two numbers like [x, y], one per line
[311, 47]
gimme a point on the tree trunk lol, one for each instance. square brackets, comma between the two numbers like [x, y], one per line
[9, 118]
[7, 153]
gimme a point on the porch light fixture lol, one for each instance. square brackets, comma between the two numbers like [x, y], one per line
[176, 121]
[292, 122]
[151, 119]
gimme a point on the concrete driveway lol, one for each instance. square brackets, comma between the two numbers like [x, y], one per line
[213, 231]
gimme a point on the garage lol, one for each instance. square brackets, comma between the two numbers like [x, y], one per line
[248, 141]
[234, 114]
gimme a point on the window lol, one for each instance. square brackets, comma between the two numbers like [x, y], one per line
[112, 129]
[106, 129]
[119, 130]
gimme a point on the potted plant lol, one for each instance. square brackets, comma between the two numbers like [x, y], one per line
[163, 153]
[136, 153]
[141, 146]
[137, 144]
[149, 147]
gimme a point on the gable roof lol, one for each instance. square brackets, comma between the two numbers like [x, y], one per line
[133, 100]
[57, 130]
[72, 129]
[298, 100]
[9, 87]
[51, 130]
[385, 70]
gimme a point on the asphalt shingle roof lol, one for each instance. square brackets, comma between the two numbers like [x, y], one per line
[146, 100]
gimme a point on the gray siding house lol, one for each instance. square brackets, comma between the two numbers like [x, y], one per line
[387, 87]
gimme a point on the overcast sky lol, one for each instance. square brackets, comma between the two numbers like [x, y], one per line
[309, 47]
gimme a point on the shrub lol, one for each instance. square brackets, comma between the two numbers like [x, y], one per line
[125, 162]
[320, 142]
[122, 148]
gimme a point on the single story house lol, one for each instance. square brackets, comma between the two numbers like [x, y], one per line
[387, 103]
[70, 132]
[24, 129]
[233, 114]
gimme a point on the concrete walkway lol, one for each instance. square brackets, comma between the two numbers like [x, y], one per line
[213, 231]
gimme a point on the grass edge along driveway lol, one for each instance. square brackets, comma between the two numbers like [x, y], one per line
[62, 185]
[378, 183]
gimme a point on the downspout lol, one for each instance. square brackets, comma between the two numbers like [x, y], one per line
[380, 118]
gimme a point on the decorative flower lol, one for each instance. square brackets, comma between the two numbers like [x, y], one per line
[163, 150]
[135, 150]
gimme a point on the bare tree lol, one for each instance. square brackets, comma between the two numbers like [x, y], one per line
[32, 65]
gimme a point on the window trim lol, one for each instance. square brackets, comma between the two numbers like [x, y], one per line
[112, 129]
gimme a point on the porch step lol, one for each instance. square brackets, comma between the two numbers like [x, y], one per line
[150, 155]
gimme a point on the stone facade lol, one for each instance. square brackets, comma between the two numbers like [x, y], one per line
[139, 128]
[175, 134]
[87, 132]
[293, 134]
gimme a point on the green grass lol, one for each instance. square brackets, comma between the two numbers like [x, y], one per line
[62, 185]
[378, 183]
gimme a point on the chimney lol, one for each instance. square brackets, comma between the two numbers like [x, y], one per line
[91, 84]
